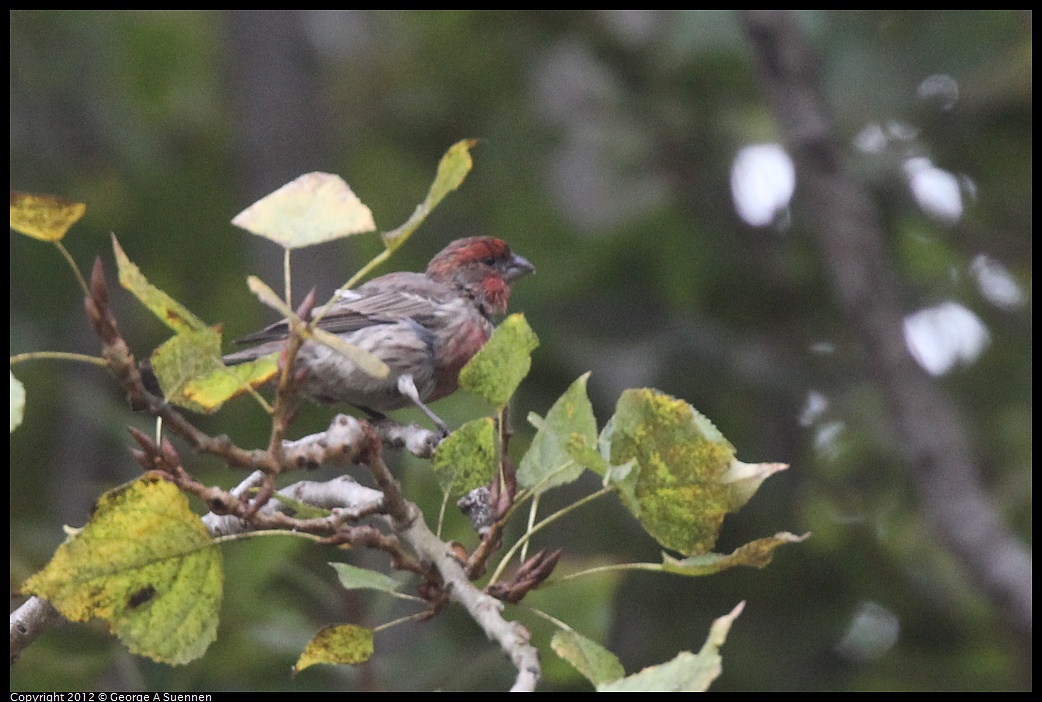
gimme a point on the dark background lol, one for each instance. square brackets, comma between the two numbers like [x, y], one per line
[608, 144]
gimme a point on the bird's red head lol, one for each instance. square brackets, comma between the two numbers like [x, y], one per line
[482, 267]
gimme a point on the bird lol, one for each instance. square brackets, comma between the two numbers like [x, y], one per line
[424, 326]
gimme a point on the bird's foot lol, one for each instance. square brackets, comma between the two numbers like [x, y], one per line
[407, 387]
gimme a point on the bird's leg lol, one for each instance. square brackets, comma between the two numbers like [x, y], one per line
[407, 387]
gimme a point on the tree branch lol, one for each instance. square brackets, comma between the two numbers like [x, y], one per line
[346, 441]
[512, 637]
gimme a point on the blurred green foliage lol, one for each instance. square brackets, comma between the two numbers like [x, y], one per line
[608, 139]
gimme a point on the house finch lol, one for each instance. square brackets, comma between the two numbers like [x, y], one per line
[425, 327]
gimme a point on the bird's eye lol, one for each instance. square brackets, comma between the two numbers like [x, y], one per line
[489, 261]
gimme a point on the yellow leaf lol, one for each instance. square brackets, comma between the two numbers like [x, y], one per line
[207, 393]
[756, 554]
[345, 643]
[147, 566]
[268, 296]
[171, 312]
[452, 171]
[192, 375]
[44, 217]
[313, 209]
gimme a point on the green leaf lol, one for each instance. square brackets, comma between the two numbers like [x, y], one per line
[467, 458]
[548, 462]
[355, 578]
[587, 603]
[313, 209]
[344, 643]
[502, 363]
[688, 672]
[586, 455]
[170, 312]
[685, 477]
[596, 663]
[625, 480]
[17, 402]
[44, 217]
[145, 564]
[185, 357]
[208, 392]
[452, 171]
[756, 553]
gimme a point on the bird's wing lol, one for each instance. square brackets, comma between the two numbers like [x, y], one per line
[385, 300]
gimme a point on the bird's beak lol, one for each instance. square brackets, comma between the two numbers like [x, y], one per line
[518, 268]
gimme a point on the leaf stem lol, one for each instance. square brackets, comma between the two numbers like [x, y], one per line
[418, 616]
[75, 269]
[606, 569]
[546, 522]
[550, 618]
[533, 509]
[58, 356]
[441, 512]
[287, 278]
[265, 532]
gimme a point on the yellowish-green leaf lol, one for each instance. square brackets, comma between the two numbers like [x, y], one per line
[548, 461]
[467, 458]
[452, 171]
[688, 672]
[588, 602]
[756, 553]
[679, 491]
[344, 643]
[144, 564]
[355, 578]
[502, 363]
[208, 392]
[596, 663]
[268, 296]
[17, 402]
[170, 312]
[185, 357]
[44, 217]
[586, 454]
[313, 209]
